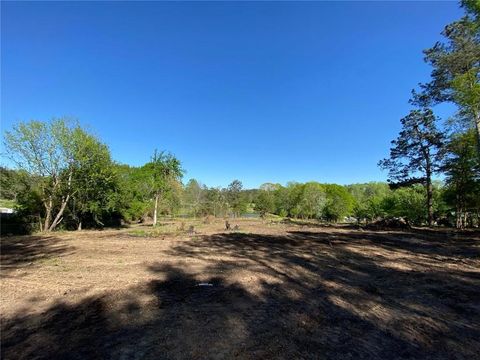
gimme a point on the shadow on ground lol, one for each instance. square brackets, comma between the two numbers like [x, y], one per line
[19, 251]
[317, 295]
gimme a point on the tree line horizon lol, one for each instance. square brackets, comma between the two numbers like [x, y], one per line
[65, 176]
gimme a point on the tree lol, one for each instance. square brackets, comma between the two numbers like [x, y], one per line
[312, 200]
[161, 170]
[406, 202]
[456, 68]
[194, 195]
[368, 199]
[416, 154]
[291, 198]
[339, 202]
[236, 201]
[215, 202]
[462, 168]
[472, 7]
[49, 151]
[12, 183]
[133, 198]
[93, 179]
[265, 202]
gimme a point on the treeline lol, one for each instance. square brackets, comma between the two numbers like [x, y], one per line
[362, 203]
[65, 176]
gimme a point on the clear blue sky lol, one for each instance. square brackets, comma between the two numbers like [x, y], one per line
[271, 91]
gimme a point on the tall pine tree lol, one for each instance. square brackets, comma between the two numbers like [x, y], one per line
[416, 154]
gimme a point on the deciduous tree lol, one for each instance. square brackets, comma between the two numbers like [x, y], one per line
[162, 168]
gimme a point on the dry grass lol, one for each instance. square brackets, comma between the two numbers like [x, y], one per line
[280, 291]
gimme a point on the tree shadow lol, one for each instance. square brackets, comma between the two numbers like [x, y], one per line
[19, 251]
[432, 243]
[271, 297]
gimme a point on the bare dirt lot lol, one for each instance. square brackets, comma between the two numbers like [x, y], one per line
[279, 291]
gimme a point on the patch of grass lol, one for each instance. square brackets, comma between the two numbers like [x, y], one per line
[154, 231]
[50, 261]
[138, 232]
[274, 217]
[5, 203]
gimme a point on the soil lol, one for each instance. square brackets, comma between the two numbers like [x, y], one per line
[268, 291]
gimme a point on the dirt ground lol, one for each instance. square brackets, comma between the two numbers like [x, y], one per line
[278, 291]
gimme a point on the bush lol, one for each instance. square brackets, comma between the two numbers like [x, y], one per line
[16, 224]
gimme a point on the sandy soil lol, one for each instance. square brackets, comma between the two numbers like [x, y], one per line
[278, 291]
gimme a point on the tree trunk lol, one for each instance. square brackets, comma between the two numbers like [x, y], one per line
[458, 215]
[59, 217]
[155, 210]
[429, 199]
[79, 226]
[48, 213]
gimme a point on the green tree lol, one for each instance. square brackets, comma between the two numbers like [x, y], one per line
[49, 152]
[368, 199]
[161, 170]
[12, 183]
[133, 197]
[462, 168]
[416, 154]
[194, 196]
[265, 202]
[312, 200]
[235, 197]
[216, 202]
[339, 202]
[455, 65]
[93, 180]
[408, 203]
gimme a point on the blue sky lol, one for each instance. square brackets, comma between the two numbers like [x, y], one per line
[259, 91]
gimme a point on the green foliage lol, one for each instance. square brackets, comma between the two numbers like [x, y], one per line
[455, 65]
[312, 201]
[162, 172]
[408, 203]
[472, 8]
[339, 202]
[416, 154]
[216, 203]
[457, 55]
[368, 200]
[50, 152]
[236, 200]
[265, 202]
[12, 182]
[93, 179]
[67, 176]
[462, 168]
[133, 196]
[194, 197]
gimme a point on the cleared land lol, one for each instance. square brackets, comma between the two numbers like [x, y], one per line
[282, 291]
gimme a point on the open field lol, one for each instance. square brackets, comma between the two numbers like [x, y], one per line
[280, 291]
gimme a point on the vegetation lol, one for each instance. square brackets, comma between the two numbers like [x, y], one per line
[65, 177]
[417, 150]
